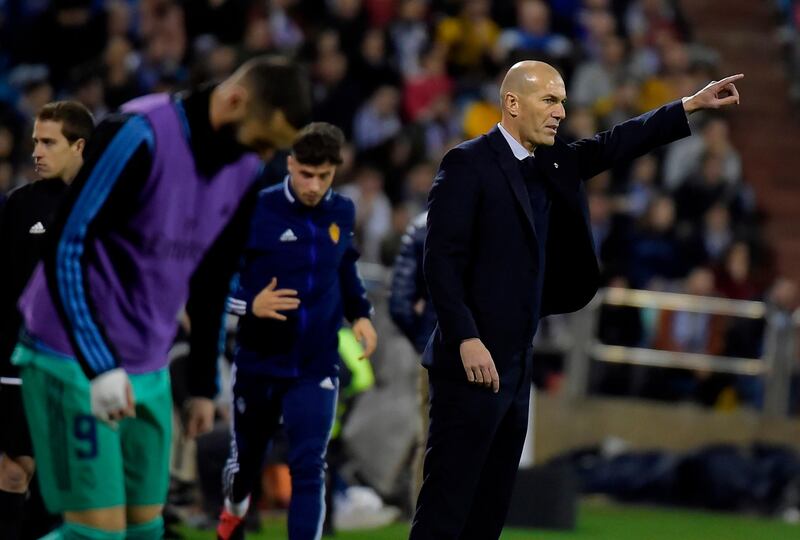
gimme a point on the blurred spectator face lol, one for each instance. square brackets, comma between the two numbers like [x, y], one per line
[117, 52]
[373, 48]
[716, 135]
[257, 36]
[661, 215]
[441, 108]
[625, 95]
[167, 43]
[53, 155]
[599, 23]
[327, 43]
[737, 263]
[684, 84]
[91, 93]
[662, 38]
[412, 10]
[652, 8]
[400, 219]
[386, 100]
[347, 9]
[784, 294]
[310, 182]
[400, 152]
[73, 15]
[37, 96]
[476, 9]
[717, 219]
[420, 179]
[221, 62]
[675, 57]
[533, 16]
[613, 51]
[700, 282]
[370, 183]
[712, 169]
[434, 61]
[119, 18]
[644, 170]
[6, 142]
[331, 68]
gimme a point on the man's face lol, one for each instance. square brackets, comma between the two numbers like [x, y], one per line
[541, 110]
[53, 155]
[264, 136]
[310, 182]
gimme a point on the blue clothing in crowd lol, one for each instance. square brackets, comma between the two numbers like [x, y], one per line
[408, 288]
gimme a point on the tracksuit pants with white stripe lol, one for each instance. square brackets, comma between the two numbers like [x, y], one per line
[308, 407]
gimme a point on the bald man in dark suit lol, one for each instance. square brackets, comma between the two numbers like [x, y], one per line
[509, 242]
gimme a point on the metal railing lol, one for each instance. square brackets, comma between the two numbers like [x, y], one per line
[776, 365]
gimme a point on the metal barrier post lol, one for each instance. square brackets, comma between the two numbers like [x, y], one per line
[583, 324]
[779, 353]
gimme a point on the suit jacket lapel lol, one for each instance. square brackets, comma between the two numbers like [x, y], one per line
[510, 167]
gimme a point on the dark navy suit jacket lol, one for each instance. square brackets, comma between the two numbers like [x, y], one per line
[481, 252]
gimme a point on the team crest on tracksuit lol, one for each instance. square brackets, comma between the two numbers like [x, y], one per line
[334, 232]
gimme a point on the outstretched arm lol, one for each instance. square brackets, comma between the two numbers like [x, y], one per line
[637, 136]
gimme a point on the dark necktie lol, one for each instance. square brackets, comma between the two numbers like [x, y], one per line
[537, 190]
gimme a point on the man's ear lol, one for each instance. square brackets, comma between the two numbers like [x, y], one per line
[236, 100]
[80, 144]
[511, 103]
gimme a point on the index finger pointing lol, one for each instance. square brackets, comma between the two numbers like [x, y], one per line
[729, 79]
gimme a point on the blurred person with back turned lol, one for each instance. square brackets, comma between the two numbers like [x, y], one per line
[509, 242]
[412, 312]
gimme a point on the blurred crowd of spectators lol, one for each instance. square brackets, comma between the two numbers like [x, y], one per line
[408, 79]
[788, 18]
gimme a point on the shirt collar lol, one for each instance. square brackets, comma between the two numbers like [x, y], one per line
[287, 190]
[290, 196]
[520, 152]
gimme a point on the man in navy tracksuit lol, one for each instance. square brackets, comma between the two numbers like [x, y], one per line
[297, 282]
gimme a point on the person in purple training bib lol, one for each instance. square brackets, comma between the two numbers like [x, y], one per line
[153, 223]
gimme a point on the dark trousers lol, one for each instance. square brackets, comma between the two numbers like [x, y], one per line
[307, 406]
[474, 445]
